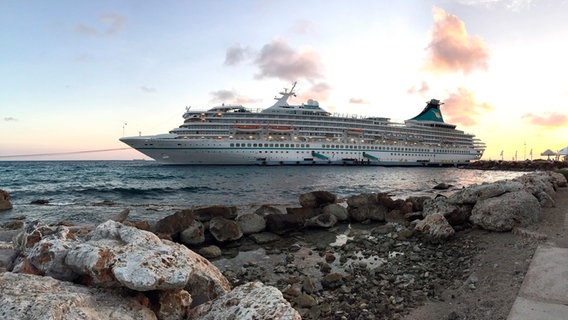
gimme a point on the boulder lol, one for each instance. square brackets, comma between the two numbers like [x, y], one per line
[442, 186]
[224, 229]
[324, 220]
[417, 202]
[5, 203]
[174, 224]
[557, 179]
[8, 255]
[194, 234]
[265, 210]
[536, 183]
[317, 199]
[174, 304]
[435, 227]
[249, 301]
[455, 214]
[210, 252]
[513, 209]
[362, 200]
[208, 213]
[475, 193]
[282, 223]
[251, 223]
[32, 297]
[339, 211]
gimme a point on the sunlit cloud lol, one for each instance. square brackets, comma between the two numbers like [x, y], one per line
[147, 89]
[231, 97]
[319, 91]
[278, 60]
[462, 108]
[421, 89]
[547, 119]
[108, 24]
[10, 119]
[452, 49]
[236, 54]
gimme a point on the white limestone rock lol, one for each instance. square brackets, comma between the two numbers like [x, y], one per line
[249, 301]
[27, 296]
[435, 227]
[503, 213]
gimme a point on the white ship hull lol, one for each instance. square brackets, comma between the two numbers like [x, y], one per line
[246, 152]
[308, 135]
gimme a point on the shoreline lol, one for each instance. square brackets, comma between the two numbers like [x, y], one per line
[387, 268]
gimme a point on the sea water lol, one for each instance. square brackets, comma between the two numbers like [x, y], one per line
[76, 190]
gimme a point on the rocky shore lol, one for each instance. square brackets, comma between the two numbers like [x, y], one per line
[527, 165]
[364, 257]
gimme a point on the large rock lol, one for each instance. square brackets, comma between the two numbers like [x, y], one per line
[174, 304]
[117, 255]
[317, 199]
[324, 220]
[455, 214]
[503, 213]
[5, 203]
[339, 211]
[265, 210]
[249, 301]
[33, 297]
[194, 234]
[435, 227]
[224, 229]
[282, 223]
[472, 194]
[174, 224]
[251, 223]
[208, 213]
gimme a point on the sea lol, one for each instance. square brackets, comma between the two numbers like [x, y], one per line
[91, 192]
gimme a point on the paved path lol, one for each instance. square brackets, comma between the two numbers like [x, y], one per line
[544, 293]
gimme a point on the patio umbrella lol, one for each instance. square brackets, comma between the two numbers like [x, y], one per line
[563, 152]
[548, 153]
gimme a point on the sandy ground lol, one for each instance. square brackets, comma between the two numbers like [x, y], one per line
[498, 271]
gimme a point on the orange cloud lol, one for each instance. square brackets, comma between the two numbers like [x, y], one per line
[462, 108]
[547, 119]
[278, 60]
[319, 91]
[451, 49]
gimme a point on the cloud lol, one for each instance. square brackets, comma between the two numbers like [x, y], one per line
[513, 5]
[302, 26]
[462, 108]
[547, 119]
[108, 24]
[422, 89]
[451, 49]
[278, 60]
[231, 97]
[358, 101]
[319, 91]
[236, 54]
[148, 89]
[10, 119]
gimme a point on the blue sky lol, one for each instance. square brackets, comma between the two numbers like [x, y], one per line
[77, 74]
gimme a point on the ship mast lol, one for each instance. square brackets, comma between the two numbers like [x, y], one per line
[283, 100]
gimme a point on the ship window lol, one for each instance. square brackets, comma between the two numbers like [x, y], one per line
[248, 144]
[287, 145]
[232, 145]
[272, 145]
[254, 145]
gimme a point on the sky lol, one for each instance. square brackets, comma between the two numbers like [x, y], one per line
[75, 76]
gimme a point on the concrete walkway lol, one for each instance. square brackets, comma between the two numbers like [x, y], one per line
[544, 292]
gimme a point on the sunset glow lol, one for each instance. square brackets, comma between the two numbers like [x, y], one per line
[78, 76]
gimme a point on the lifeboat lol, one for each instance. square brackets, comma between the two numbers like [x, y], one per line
[248, 128]
[280, 128]
[354, 131]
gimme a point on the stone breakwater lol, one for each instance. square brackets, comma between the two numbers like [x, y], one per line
[527, 165]
[367, 256]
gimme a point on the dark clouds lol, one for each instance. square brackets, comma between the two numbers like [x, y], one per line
[461, 107]
[452, 49]
[108, 24]
[547, 119]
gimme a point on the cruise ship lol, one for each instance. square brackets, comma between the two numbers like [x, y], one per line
[306, 134]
